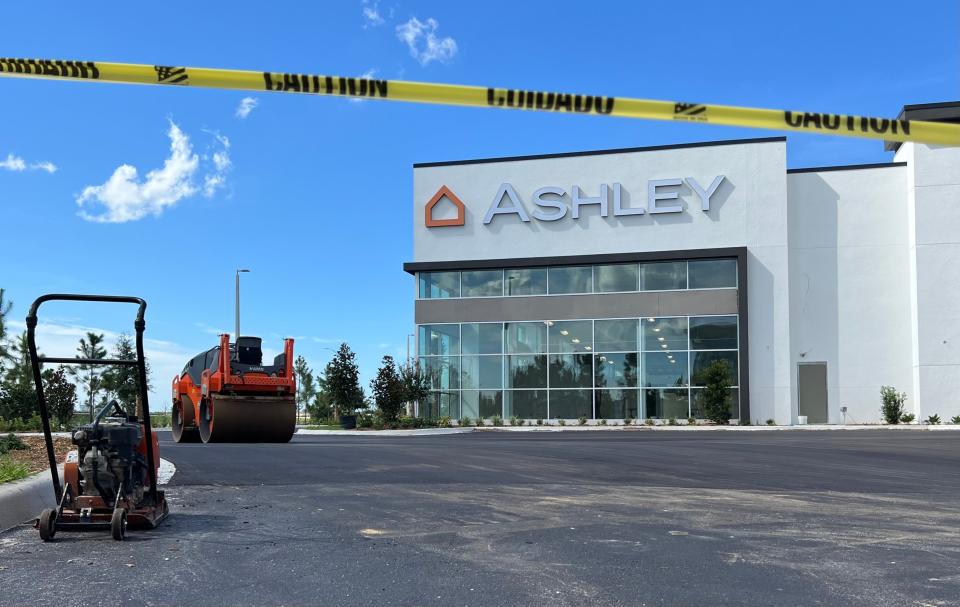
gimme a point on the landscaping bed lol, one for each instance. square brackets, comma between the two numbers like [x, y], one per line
[17, 463]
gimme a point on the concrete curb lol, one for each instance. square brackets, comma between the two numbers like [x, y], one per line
[22, 500]
[705, 428]
[418, 432]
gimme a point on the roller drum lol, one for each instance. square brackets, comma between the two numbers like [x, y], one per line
[247, 419]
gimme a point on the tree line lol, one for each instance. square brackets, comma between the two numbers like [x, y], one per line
[64, 385]
[336, 390]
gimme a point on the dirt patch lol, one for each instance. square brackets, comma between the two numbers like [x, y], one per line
[35, 455]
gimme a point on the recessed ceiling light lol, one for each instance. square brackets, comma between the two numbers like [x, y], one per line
[673, 361]
[663, 345]
[650, 320]
[656, 329]
[588, 347]
[661, 339]
[564, 332]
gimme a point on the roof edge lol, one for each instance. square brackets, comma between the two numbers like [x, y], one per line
[652, 148]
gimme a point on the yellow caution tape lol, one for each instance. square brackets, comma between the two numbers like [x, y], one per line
[450, 94]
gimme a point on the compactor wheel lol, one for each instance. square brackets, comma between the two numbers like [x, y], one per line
[182, 424]
[48, 524]
[118, 524]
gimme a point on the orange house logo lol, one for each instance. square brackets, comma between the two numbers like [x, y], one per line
[444, 192]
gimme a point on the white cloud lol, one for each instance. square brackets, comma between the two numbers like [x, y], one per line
[246, 106]
[422, 40]
[371, 14]
[125, 198]
[217, 178]
[18, 164]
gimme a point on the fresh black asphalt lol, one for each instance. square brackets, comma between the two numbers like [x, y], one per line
[497, 518]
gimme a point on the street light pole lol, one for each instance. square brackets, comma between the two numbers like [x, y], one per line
[237, 303]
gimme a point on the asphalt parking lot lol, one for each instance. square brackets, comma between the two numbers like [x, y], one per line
[496, 518]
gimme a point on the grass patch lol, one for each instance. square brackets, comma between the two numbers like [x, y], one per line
[321, 427]
[12, 471]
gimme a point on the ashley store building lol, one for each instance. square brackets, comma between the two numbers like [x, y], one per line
[602, 284]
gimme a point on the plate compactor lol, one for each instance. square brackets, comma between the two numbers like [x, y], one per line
[227, 394]
[110, 479]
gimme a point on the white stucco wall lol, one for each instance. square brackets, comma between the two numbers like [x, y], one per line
[933, 207]
[749, 209]
[849, 277]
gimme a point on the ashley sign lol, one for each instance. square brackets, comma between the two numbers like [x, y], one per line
[549, 203]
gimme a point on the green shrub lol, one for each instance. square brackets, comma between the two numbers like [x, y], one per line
[714, 398]
[445, 421]
[582, 420]
[466, 421]
[934, 419]
[648, 422]
[955, 419]
[11, 471]
[907, 418]
[514, 420]
[496, 420]
[627, 421]
[479, 422]
[539, 422]
[561, 422]
[672, 421]
[602, 422]
[691, 421]
[770, 422]
[892, 404]
[11, 442]
[365, 420]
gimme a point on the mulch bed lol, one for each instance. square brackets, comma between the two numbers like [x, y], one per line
[35, 455]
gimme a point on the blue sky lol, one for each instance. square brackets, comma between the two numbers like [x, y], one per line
[313, 194]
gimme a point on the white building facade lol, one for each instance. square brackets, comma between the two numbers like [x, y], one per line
[606, 284]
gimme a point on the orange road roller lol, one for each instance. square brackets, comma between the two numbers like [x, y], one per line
[227, 395]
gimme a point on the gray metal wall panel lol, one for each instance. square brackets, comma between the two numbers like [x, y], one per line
[565, 307]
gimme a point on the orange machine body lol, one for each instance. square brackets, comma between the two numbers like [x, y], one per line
[211, 375]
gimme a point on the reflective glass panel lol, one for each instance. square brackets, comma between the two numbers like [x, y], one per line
[481, 403]
[443, 372]
[713, 273]
[572, 279]
[615, 335]
[571, 336]
[571, 370]
[615, 370]
[665, 369]
[616, 404]
[663, 276]
[440, 340]
[439, 285]
[697, 403]
[571, 404]
[440, 404]
[528, 404]
[526, 337]
[713, 333]
[525, 281]
[664, 404]
[481, 338]
[616, 277]
[527, 371]
[481, 283]
[481, 372]
[664, 334]
[701, 363]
